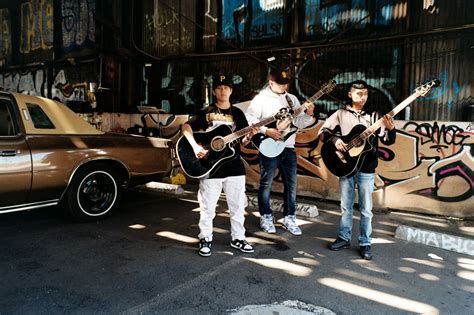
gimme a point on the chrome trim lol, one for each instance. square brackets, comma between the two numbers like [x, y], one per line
[25, 114]
[30, 206]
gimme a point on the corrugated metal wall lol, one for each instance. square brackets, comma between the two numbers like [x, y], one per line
[392, 68]
[363, 40]
[169, 27]
[449, 58]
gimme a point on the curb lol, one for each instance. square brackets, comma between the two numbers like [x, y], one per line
[450, 242]
[302, 209]
[162, 187]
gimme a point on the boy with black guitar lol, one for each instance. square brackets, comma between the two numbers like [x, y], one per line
[340, 133]
[229, 175]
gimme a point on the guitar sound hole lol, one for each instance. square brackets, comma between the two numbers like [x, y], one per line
[357, 142]
[217, 144]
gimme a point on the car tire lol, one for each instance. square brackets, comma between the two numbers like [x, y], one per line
[94, 192]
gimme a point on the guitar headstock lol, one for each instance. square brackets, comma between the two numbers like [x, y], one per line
[328, 86]
[424, 89]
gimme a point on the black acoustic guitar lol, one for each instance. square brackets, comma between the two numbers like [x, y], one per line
[359, 139]
[219, 142]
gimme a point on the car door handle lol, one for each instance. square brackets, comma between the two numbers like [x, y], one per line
[7, 152]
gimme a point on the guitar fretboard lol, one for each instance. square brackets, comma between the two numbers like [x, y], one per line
[329, 86]
[373, 128]
[311, 100]
[242, 132]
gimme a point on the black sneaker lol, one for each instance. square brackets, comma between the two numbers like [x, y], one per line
[242, 245]
[339, 243]
[204, 247]
[365, 252]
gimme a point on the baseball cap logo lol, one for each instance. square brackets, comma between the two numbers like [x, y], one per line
[222, 78]
[283, 74]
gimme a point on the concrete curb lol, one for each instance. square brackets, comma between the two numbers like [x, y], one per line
[162, 187]
[286, 307]
[302, 209]
[453, 243]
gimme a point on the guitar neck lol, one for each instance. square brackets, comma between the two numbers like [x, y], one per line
[242, 132]
[312, 99]
[373, 128]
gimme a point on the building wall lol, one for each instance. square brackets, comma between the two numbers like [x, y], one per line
[105, 58]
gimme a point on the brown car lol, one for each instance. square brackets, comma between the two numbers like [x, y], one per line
[49, 155]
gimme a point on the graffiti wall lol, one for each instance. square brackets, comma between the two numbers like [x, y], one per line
[78, 24]
[250, 21]
[36, 29]
[5, 37]
[168, 27]
[428, 170]
[72, 86]
[68, 84]
[31, 81]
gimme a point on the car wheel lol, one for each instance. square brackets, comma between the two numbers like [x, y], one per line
[94, 192]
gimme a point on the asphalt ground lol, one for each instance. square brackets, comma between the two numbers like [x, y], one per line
[143, 260]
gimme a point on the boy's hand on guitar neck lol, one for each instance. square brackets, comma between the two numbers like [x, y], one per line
[254, 130]
[388, 122]
[309, 108]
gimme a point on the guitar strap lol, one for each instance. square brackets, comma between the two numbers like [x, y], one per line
[289, 101]
[290, 105]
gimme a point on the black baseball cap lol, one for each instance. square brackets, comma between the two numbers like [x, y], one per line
[280, 76]
[222, 79]
[359, 84]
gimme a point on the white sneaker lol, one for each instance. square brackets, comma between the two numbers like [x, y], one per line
[266, 223]
[242, 245]
[289, 223]
[204, 247]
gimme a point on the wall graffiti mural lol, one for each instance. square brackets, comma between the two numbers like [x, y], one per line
[78, 24]
[5, 37]
[441, 167]
[36, 26]
[175, 94]
[31, 82]
[429, 169]
[70, 89]
[448, 90]
[322, 17]
[251, 20]
[168, 28]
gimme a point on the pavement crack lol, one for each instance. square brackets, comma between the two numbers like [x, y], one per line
[167, 296]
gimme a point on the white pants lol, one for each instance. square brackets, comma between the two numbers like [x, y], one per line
[208, 196]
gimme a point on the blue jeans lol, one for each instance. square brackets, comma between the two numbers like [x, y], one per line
[365, 186]
[286, 163]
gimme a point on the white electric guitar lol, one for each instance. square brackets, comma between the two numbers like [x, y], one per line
[270, 147]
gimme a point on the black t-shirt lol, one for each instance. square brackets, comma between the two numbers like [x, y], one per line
[210, 117]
